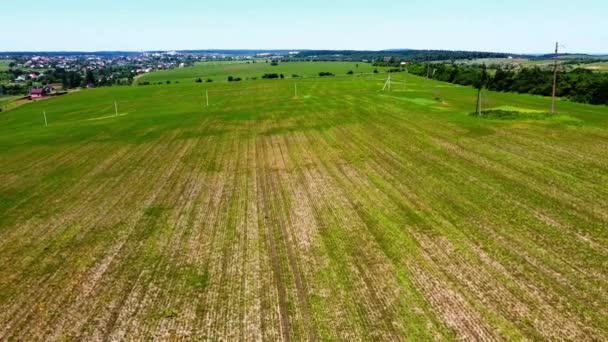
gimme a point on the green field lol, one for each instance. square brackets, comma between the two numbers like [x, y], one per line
[4, 63]
[219, 71]
[342, 213]
[600, 66]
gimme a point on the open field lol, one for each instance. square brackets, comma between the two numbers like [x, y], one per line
[4, 63]
[342, 213]
[219, 71]
[600, 66]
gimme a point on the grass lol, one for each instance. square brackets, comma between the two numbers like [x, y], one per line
[342, 213]
[4, 64]
[600, 66]
[219, 71]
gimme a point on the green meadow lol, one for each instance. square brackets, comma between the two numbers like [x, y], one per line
[4, 64]
[600, 66]
[302, 209]
[219, 71]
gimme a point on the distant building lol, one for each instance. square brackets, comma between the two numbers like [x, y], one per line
[37, 93]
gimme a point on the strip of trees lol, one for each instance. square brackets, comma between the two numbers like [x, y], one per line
[579, 85]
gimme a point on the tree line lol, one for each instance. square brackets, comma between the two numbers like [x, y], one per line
[578, 85]
[405, 55]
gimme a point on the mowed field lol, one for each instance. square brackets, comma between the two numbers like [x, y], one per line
[600, 66]
[219, 71]
[342, 213]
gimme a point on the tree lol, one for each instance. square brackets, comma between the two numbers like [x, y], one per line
[375, 71]
[199, 80]
[350, 72]
[282, 76]
[89, 77]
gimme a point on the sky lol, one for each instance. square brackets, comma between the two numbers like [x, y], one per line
[515, 26]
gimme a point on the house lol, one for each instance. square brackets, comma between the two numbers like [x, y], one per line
[37, 93]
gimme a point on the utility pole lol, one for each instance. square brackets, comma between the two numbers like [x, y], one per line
[428, 70]
[295, 86]
[387, 84]
[554, 78]
[116, 108]
[45, 122]
[207, 96]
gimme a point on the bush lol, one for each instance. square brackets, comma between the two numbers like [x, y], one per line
[199, 80]
[295, 75]
[168, 82]
[270, 76]
[499, 114]
[209, 80]
[282, 76]
[234, 79]
[325, 73]
[375, 71]
[350, 72]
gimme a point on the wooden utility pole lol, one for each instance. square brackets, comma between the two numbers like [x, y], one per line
[554, 78]
[116, 108]
[207, 96]
[45, 122]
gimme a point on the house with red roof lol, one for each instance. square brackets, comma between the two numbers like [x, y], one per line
[37, 93]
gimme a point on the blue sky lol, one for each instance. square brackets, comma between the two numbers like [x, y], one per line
[508, 26]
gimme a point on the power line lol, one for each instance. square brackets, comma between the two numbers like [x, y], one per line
[554, 78]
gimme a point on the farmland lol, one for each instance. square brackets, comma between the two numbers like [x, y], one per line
[4, 64]
[219, 71]
[338, 213]
[600, 66]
